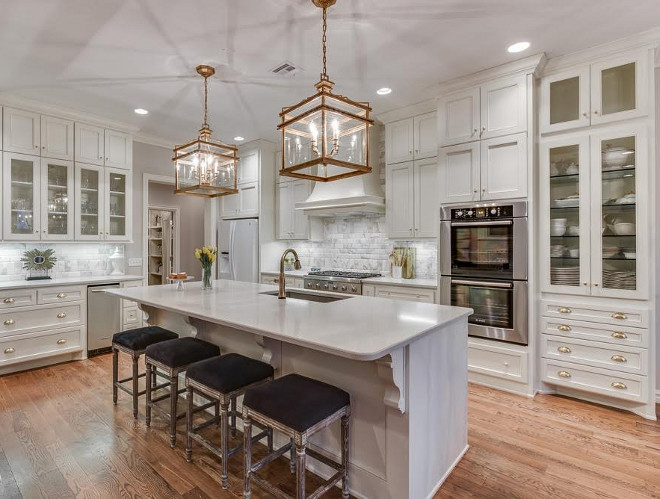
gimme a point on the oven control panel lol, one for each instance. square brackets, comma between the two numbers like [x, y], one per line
[482, 212]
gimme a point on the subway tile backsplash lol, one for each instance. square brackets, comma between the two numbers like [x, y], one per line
[73, 260]
[360, 243]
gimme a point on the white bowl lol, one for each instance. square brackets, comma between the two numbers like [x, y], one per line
[573, 230]
[630, 255]
[574, 252]
[558, 221]
[624, 228]
[557, 231]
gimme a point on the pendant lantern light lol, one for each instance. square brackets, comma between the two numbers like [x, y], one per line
[205, 166]
[325, 137]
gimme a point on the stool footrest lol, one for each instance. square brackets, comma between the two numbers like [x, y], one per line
[325, 460]
[206, 424]
[327, 485]
[268, 487]
[130, 378]
[271, 457]
[130, 392]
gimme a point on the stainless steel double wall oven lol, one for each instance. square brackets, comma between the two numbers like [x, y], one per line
[483, 265]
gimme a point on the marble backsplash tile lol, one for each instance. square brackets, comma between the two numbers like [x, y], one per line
[360, 243]
[73, 260]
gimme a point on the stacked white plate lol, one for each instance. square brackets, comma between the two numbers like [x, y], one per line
[620, 279]
[565, 276]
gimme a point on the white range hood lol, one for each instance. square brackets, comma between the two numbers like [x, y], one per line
[358, 195]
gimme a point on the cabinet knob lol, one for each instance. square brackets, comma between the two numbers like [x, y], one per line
[619, 386]
[586, 115]
[36, 147]
[596, 284]
[8, 300]
[596, 111]
[619, 358]
[61, 295]
[36, 232]
[100, 157]
[563, 374]
[619, 335]
[564, 327]
[43, 147]
[476, 190]
[10, 322]
[475, 131]
[619, 315]
[61, 341]
[61, 315]
[564, 350]
[9, 350]
[564, 310]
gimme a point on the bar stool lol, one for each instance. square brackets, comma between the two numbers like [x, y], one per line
[166, 360]
[298, 407]
[222, 380]
[134, 342]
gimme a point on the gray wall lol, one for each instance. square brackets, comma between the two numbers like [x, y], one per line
[191, 227]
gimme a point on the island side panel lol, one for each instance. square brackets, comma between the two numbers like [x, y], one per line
[437, 406]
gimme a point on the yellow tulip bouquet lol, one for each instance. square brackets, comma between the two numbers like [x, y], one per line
[206, 256]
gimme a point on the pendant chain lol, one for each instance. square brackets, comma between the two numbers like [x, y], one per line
[324, 76]
[206, 100]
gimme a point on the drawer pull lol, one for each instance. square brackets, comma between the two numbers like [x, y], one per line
[564, 327]
[61, 295]
[564, 350]
[10, 322]
[9, 350]
[619, 335]
[619, 315]
[61, 315]
[619, 386]
[61, 341]
[8, 301]
[563, 374]
[564, 310]
[619, 358]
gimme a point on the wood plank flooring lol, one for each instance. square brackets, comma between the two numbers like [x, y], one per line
[61, 437]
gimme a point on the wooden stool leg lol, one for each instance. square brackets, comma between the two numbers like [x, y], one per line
[233, 417]
[344, 455]
[301, 456]
[115, 374]
[148, 396]
[135, 385]
[247, 456]
[174, 398]
[189, 424]
[292, 457]
[224, 443]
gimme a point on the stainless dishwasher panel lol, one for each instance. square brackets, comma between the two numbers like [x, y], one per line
[103, 317]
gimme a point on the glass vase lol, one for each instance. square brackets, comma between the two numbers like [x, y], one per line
[206, 278]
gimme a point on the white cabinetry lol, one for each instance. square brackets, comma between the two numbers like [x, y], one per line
[290, 281]
[131, 315]
[89, 144]
[411, 138]
[605, 91]
[56, 138]
[21, 196]
[494, 109]
[407, 293]
[292, 223]
[486, 170]
[21, 131]
[245, 203]
[118, 148]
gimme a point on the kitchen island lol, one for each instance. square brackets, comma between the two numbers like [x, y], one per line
[403, 363]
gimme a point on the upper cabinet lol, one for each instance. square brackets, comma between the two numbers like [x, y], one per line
[118, 149]
[56, 138]
[494, 109]
[21, 131]
[606, 91]
[411, 138]
[103, 147]
[21, 196]
[292, 223]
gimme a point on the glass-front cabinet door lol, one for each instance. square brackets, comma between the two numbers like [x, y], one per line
[565, 101]
[565, 221]
[117, 193]
[617, 90]
[89, 202]
[620, 215]
[20, 196]
[56, 199]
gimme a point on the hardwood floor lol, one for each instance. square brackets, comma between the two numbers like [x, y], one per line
[60, 436]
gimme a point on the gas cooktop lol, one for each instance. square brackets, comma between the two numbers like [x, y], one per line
[345, 275]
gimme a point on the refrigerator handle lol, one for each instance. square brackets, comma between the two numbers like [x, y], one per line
[232, 251]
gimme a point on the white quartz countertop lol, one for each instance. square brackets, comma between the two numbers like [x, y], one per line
[68, 281]
[384, 280]
[359, 327]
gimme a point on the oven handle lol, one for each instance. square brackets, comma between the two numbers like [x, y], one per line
[485, 222]
[507, 285]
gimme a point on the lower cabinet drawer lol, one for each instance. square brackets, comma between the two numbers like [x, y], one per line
[595, 380]
[30, 318]
[403, 293]
[131, 316]
[21, 348]
[61, 294]
[18, 298]
[618, 358]
[623, 315]
[617, 335]
[499, 362]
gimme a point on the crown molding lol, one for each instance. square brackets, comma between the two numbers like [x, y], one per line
[153, 140]
[646, 40]
[427, 106]
[63, 112]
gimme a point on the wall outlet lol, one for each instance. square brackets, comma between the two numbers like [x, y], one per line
[135, 262]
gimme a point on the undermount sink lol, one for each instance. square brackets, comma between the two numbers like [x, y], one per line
[301, 295]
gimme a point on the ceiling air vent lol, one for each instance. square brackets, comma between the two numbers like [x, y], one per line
[284, 69]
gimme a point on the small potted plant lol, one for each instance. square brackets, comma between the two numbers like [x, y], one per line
[206, 256]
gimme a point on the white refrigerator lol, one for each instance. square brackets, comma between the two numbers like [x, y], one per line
[238, 250]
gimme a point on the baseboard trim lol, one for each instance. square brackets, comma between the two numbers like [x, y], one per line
[657, 396]
[446, 475]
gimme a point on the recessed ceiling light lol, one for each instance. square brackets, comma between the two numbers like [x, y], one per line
[384, 91]
[238, 138]
[518, 47]
[139, 110]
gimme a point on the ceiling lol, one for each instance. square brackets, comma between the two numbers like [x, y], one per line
[109, 57]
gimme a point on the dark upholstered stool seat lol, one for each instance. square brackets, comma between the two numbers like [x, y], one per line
[296, 401]
[182, 351]
[229, 372]
[141, 338]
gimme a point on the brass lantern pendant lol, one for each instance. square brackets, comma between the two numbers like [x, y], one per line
[326, 136]
[206, 166]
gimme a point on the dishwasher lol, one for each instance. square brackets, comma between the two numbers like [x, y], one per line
[103, 318]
